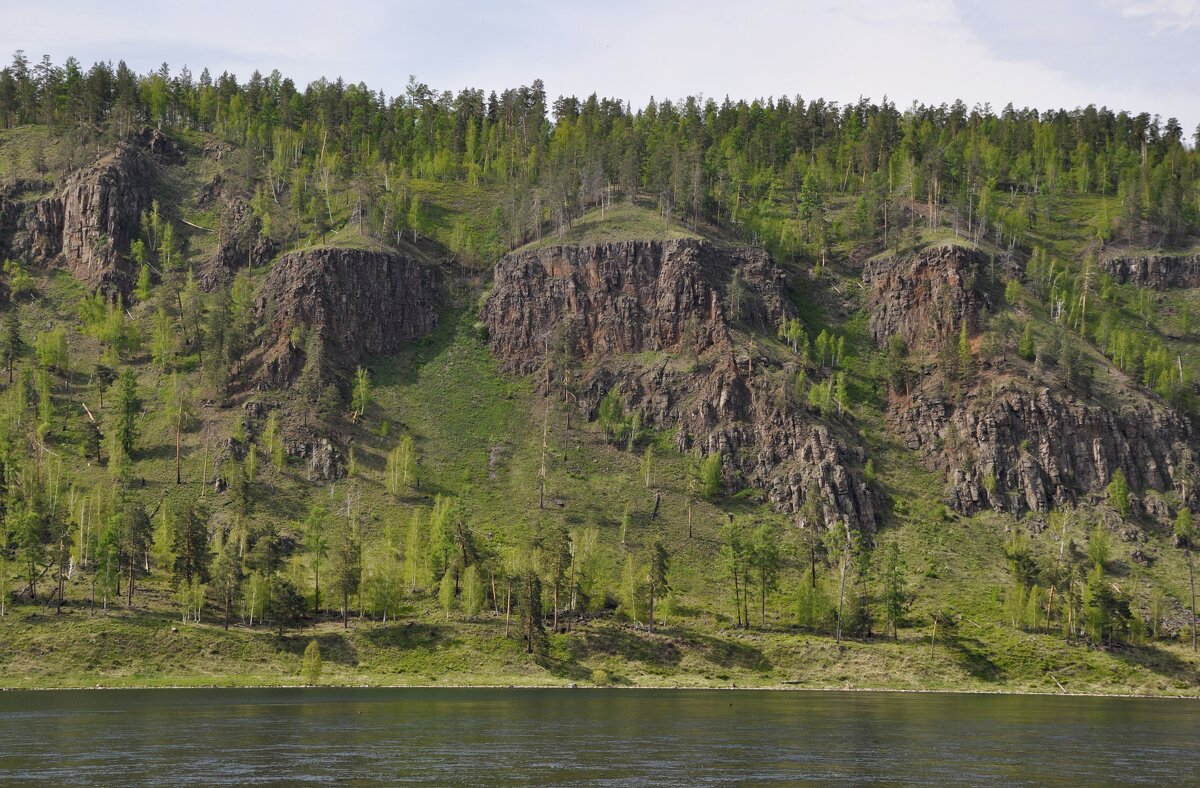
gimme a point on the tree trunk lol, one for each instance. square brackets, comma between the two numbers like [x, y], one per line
[507, 610]
[841, 599]
[1192, 582]
[763, 600]
[651, 609]
[737, 600]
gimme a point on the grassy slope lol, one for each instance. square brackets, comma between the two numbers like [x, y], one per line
[479, 432]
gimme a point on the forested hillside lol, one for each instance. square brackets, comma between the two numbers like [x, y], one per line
[496, 389]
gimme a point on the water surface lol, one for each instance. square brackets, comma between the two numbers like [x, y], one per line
[588, 737]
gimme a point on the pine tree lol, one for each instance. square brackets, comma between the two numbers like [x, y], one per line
[12, 346]
[128, 409]
[529, 605]
[227, 578]
[191, 544]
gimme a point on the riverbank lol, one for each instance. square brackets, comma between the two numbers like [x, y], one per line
[139, 648]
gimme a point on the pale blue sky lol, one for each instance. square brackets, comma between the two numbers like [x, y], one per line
[1132, 54]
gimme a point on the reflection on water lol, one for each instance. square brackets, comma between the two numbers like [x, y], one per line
[588, 737]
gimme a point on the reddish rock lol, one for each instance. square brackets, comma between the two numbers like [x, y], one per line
[361, 303]
[669, 303]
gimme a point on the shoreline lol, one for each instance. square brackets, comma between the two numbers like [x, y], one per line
[575, 687]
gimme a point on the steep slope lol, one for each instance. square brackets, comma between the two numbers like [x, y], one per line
[1010, 435]
[656, 322]
[88, 225]
[359, 303]
[1157, 271]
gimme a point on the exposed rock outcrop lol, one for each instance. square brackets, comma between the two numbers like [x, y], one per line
[241, 244]
[39, 236]
[1009, 445]
[101, 210]
[361, 303]
[626, 298]
[1158, 271]
[606, 303]
[1019, 450]
[925, 297]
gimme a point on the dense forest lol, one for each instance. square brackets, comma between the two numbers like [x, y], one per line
[155, 444]
[733, 162]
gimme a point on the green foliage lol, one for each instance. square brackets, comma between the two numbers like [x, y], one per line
[1098, 550]
[311, 666]
[816, 609]
[473, 592]
[20, 281]
[619, 426]
[51, 350]
[529, 607]
[12, 344]
[711, 482]
[1012, 292]
[447, 592]
[1118, 493]
[142, 289]
[1183, 525]
[128, 410]
[401, 471]
[361, 398]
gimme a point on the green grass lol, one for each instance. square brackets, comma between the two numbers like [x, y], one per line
[621, 222]
[479, 435]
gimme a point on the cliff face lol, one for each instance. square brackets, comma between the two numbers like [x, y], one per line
[625, 298]
[101, 210]
[1020, 449]
[240, 244]
[1160, 272]
[605, 303]
[88, 226]
[1008, 445]
[925, 297]
[361, 303]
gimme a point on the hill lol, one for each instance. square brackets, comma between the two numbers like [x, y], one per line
[588, 408]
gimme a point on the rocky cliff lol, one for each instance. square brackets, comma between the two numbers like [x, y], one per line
[1020, 448]
[1158, 271]
[925, 297]
[672, 304]
[1011, 444]
[626, 298]
[101, 211]
[241, 242]
[88, 224]
[361, 303]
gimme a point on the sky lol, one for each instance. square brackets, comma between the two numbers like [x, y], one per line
[1139, 55]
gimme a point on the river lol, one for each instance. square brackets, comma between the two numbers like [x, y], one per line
[588, 737]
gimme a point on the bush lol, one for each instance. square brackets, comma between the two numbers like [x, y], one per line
[311, 668]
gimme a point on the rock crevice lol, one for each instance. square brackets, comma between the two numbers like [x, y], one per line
[658, 322]
[361, 303]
